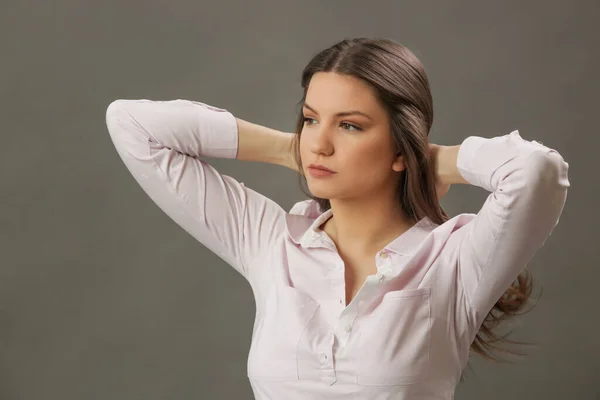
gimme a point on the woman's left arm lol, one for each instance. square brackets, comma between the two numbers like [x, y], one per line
[528, 183]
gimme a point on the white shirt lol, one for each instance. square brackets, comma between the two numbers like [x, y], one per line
[407, 332]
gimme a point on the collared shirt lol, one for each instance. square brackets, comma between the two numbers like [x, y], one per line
[407, 332]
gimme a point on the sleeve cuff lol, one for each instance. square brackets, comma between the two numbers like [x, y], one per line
[220, 132]
[478, 157]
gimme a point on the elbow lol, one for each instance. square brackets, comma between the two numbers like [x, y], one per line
[125, 130]
[547, 170]
[116, 116]
[115, 110]
[547, 183]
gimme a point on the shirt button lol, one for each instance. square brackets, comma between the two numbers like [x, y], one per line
[348, 328]
[383, 255]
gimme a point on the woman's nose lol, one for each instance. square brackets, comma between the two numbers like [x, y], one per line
[321, 142]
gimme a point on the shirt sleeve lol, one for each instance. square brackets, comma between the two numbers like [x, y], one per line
[160, 142]
[529, 185]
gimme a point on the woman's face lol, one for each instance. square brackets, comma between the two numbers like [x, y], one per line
[358, 148]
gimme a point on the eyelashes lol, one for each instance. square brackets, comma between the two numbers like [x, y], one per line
[347, 124]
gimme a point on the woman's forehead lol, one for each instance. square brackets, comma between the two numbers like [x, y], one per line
[335, 93]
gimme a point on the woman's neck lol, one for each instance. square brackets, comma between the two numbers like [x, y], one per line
[365, 230]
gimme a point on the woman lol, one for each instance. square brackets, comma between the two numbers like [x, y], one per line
[368, 289]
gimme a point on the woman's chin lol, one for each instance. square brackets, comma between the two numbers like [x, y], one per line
[320, 192]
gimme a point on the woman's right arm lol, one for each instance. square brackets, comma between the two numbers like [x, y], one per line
[160, 141]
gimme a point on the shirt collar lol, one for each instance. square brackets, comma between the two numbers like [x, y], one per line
[305, 218]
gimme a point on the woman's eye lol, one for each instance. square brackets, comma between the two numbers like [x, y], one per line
[345, 125]
[356, 128]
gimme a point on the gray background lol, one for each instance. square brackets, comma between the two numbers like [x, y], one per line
[102, 296]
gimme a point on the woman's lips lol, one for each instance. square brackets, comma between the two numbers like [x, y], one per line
[319, 173]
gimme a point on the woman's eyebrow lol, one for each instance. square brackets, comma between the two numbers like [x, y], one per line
[341, 114]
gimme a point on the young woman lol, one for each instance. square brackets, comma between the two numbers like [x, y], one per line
[368, 290]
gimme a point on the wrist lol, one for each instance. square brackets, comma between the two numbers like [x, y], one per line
[286, 151]
[261, 144]
[447, 168]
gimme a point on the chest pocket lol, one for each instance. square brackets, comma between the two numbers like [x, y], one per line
[281, 322]
[394, 342]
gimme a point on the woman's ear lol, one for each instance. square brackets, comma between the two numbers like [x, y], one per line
[399, 164]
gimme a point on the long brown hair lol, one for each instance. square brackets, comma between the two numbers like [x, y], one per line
[402, 86]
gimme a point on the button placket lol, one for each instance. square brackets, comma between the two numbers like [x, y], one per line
[323, 357]
[383, 273]
[384, 268]
[325, 351]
